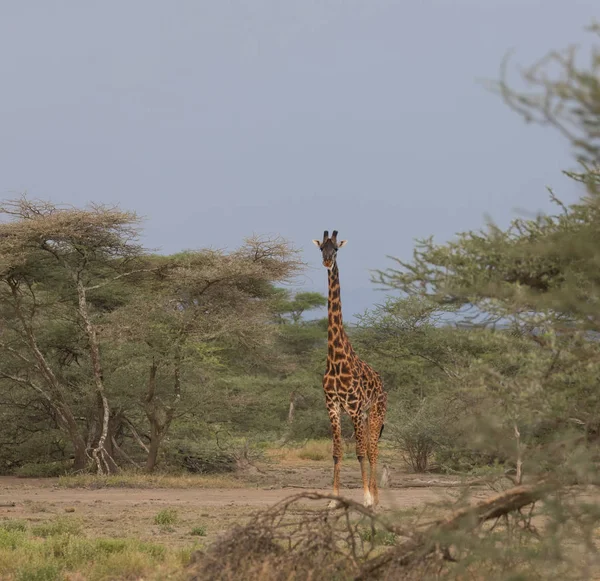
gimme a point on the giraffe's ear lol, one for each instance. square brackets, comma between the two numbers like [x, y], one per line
[317, 243]
[342, 243]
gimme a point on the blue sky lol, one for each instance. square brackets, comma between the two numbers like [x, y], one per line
[215, 120]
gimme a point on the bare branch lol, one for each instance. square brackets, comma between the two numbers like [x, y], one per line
[136, 435]
[118, 276]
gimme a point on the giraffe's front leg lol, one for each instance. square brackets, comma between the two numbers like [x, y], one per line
[333, 408]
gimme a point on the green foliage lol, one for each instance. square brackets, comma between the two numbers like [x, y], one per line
[290, 309]
[13, 525]
[378, 537]
[540, 368]
[67, 554]
[42, 469]
[522, 366]
[488, 348]
[40, 573]
[88, 315]
[60, 526]
[110, 546]
[420, 432]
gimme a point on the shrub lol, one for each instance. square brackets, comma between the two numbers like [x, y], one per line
[212, 455]
[42, 469]
[60, 526]
[13, 525]
[420, 430]
[463, 460]
[40, 573]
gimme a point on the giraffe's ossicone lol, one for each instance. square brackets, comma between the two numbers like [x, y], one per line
[350, 384]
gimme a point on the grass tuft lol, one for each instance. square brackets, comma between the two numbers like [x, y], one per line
[198, 531]
[40, 573]
[60, 526]
[380, 538]
[315, 450]
[166, 517]
[13, 525]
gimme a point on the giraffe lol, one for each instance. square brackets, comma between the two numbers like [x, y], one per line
[350, 385]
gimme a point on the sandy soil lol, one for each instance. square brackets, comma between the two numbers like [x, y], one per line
[24, 492]
[130, 512]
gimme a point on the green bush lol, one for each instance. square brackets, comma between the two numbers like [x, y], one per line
[40, 573]
[42, 469]
[211, 453]
[463, 460]
[60, 526]
[13, 525]
[421, 429]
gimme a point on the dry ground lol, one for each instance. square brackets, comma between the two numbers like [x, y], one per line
[204, 508]
[131, 512]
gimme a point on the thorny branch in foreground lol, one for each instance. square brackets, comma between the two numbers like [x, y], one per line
[321, 543]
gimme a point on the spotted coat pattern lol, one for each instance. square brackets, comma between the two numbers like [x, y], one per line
[354, 387]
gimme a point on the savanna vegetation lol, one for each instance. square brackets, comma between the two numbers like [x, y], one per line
[113, 358]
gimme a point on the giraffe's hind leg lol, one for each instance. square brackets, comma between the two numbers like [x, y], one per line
[361, 434]
[333, 408]
[376, 421]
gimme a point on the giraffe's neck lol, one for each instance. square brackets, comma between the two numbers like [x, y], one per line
[336, 335]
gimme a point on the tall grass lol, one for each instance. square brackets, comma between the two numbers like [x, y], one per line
[56, 551]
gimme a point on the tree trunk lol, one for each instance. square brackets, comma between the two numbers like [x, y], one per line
[155, 439]
[114, 427]
[152, 415]
[80, 457]
[292, 407]
[55, 395]
[159, 417]
[104, 462]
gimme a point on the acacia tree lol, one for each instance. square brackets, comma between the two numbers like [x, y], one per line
[94, 329]
[196, 311]
[537, 284]
[52, 259]
[300, 342]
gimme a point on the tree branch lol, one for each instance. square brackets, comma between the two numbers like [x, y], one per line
[420, 544]
[118, 276]
[136, 435]
[123, 453]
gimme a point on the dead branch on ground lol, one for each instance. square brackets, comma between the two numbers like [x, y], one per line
[349, 541]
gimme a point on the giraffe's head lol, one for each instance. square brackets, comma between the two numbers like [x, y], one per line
[329, 247]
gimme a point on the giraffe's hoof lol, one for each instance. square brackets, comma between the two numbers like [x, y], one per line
[368, 501]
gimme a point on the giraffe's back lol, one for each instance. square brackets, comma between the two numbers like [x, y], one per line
[354, 384]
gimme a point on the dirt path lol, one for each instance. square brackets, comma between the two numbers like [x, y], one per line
[119, 512]
[26, 491]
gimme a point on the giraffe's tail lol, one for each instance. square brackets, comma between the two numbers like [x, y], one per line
[381, 431]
